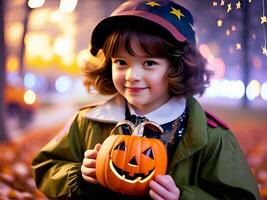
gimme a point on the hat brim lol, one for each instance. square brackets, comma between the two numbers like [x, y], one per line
[106, 26]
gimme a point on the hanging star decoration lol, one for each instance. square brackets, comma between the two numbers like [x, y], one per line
[238, 46]
[152, 3]
[263, 22]
[263, 19]
[264, 51]
[177, 13]
[219, 23]
[214, 3]
[238, 5]
[229, 7]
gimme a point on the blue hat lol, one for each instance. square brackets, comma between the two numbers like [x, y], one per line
[165, 14]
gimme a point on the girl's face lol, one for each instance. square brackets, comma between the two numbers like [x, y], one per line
[141, 79]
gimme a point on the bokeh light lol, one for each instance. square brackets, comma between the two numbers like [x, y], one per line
[67, 5]
[63, 84]
[253, 89]
[36, 3]
[63, 45]
[264, 91]
[82, 56]
[29, 80]
[233, 89]
[29, 97]
[12, 63]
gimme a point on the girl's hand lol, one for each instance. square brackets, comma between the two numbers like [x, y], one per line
[89, 163]
[163, 187]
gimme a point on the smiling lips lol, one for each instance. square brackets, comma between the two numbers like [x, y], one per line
[135, 89]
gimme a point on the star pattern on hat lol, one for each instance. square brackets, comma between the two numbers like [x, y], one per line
[152, 3]
[177, 13]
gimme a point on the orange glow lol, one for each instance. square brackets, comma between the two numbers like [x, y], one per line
[12, 64]
[14, 33]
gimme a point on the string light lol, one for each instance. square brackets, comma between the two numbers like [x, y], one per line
[264, 21]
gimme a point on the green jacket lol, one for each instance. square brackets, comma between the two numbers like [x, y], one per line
[207, 164]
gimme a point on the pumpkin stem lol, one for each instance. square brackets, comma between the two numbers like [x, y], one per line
[121, 123]
[139, 130]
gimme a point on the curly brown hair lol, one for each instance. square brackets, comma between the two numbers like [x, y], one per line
[187, 74]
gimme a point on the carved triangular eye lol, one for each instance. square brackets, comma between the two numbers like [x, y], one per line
[149, 153]
[120, 146]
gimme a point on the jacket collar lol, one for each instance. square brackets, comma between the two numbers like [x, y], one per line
[196, 136]
[113, 110]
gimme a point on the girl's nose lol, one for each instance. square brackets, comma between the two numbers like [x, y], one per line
[133, 74]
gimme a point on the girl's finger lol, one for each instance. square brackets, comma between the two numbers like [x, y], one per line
[90, 179]
[88, 171]
[90, 163]
[165, 181]
[97, 147]
[154, 195]
[90, 154]
[157, 189]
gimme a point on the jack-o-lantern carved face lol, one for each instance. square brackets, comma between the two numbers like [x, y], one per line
[126, 164]
[139, 163]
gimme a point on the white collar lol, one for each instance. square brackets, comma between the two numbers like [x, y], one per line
[113, 110]
[165, 113]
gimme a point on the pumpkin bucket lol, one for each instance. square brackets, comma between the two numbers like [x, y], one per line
[127, 163]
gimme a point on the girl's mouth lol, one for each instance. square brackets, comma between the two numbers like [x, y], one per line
[135, 89]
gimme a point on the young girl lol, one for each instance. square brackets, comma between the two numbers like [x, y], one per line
[147, 59]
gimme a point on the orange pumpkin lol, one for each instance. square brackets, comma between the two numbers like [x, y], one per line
[127, 163]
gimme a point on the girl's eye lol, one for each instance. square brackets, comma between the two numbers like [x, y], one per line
[149, 63]
[120, 62]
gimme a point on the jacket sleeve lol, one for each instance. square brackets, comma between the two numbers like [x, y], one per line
[224, 172]
[56, 168]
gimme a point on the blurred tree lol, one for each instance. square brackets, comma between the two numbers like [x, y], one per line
[245, 40]
[3, 132]
[22, 46]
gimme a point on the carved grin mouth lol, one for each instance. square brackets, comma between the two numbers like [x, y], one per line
[124, 175]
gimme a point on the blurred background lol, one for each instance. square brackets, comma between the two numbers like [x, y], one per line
[44, 43]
